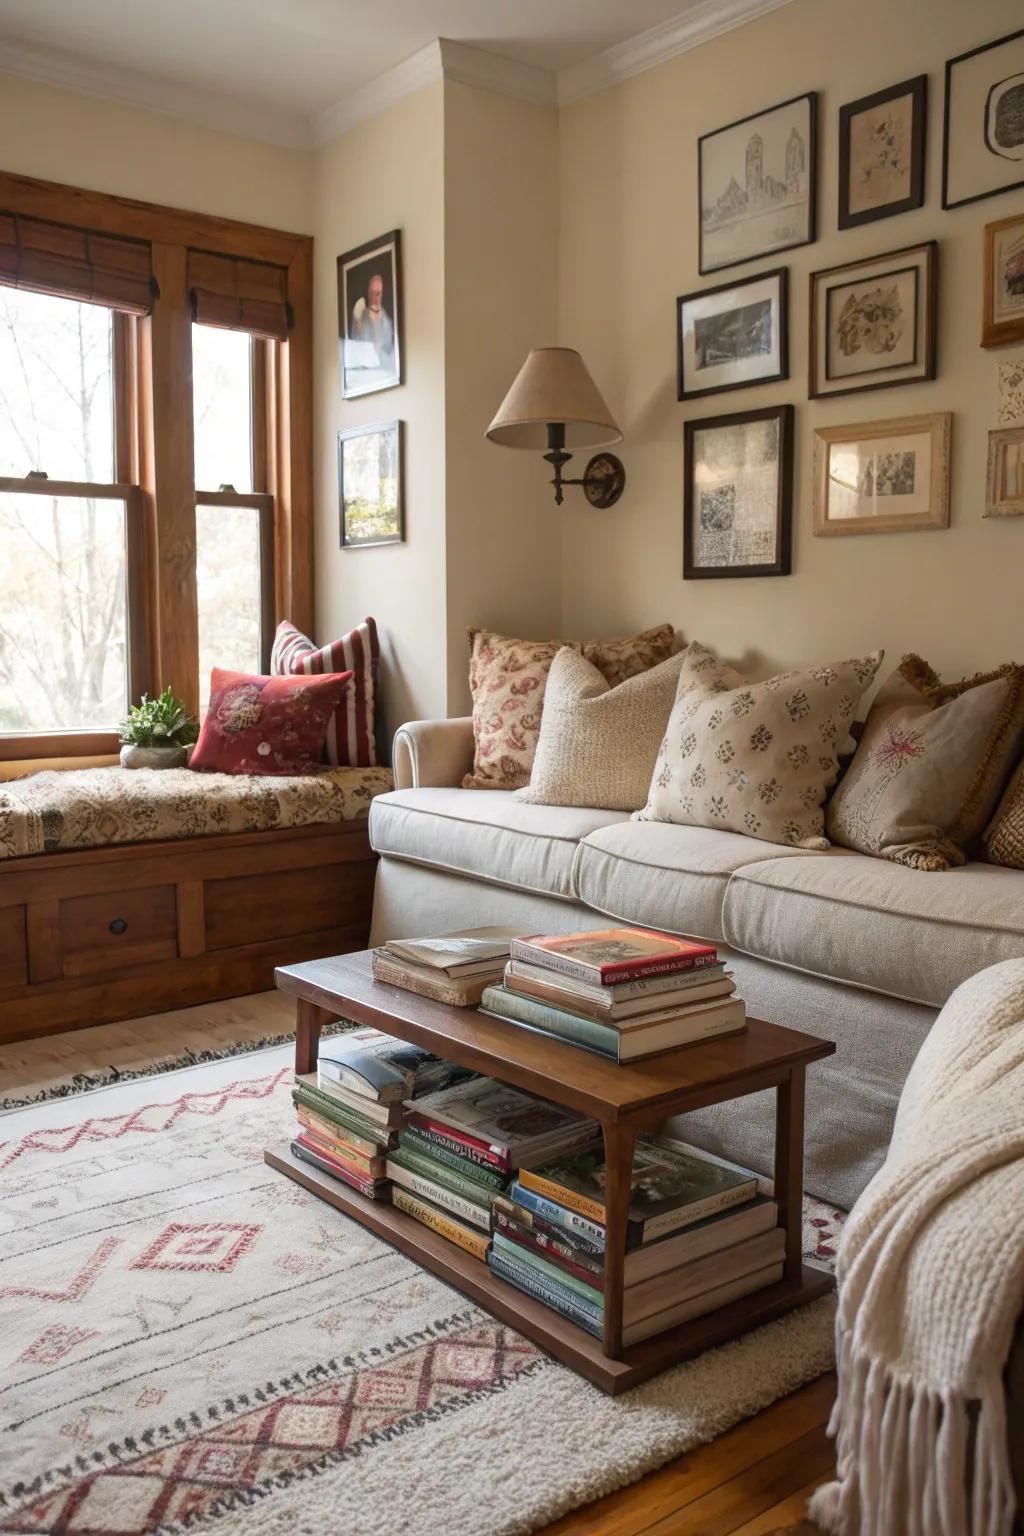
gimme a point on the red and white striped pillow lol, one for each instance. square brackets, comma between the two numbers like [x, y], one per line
[350, 735]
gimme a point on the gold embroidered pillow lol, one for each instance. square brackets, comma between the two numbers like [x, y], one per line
[757, 758]
[1004, 839]
[930, 766]
[507, 678]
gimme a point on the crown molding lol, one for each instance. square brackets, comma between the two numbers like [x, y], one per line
[128, 88]
[420, 70]
[698, 24]
[494, 72]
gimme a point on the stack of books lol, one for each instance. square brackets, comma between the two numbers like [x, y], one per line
[623, 992]
[699, 1235]
[460, 1147]
[349, 1111]
[452, 968]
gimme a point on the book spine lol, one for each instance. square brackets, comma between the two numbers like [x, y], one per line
[440, 1173]
[326, 1164]
[349, 1145]
[570, 1221]
[438, 1194]
[685, 1216]
[613, 972]
[555, 1250]
[519, 1009]
[458, 1141]
[560, 1300]
[377, 1117]
[483, 1173]
[552, 1273]
[558, 1194]
[341, 1151]
[445, 1226]
[618, 992]
[580, 1248]
[461, 994]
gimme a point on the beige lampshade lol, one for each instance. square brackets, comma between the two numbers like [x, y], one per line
[553, 385]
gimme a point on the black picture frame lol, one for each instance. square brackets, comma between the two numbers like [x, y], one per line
[782, 564]
[345, 533]
[917, 90]
[922, 258]
[780, 275]
[381, 257]
[961, 58]
[811, 98]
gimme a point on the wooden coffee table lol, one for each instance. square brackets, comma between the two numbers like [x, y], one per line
[624, 1099]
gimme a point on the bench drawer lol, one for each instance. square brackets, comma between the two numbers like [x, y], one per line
[107, 931]
[294, 901]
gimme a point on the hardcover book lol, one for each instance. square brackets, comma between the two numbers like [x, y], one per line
[377, 1116]
[559, 1299]
[335, 1140]
[557, 1251]
[554, 1274]
[439, 1194]
[369, 1138]
[627, 1040]
[581, 1248]
[601, 1002]
[465, 953]
[442, 1149]
[647, 992]
[464, 992]
[306, 1152]
[440, 1173]
[610, 955]
[502, 1123]
[474, 1242]
[573, 1222]
[697, 1306]
[383, 1068]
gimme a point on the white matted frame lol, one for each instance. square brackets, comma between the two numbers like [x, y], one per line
[882, 476]
[1004, 482]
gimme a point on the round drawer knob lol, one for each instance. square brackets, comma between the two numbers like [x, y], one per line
[118, 925]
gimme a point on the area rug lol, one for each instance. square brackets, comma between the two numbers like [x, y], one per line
[188, 1339]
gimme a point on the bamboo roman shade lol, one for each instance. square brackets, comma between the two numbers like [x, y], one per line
[76, 264]
[239, 295]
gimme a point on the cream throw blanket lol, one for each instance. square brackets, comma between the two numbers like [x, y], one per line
[931, 1283]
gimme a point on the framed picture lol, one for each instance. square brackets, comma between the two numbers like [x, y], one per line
[1011, 392]
[881, 153]
[1003, 311]
[756, 184]
[882, 476]
[732, 335]
[1004, 489]
[370, 316]
[873, 322]
[370, 485]
[738, 494]
[983, 124]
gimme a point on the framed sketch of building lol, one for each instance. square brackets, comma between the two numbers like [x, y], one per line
[757, 184]
[738, 494]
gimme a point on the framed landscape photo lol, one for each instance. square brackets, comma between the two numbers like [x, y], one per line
[1004, 490]
[733, 335]
[1003, 312]
[882, 476]
[983, 124]
[370, 485]
[756, 184]
[370, 316]
[872, 322]
[738, 494]
[881, 153]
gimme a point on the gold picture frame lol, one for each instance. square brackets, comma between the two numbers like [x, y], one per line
[1002, 321]
[1004, 481]
[887, 476]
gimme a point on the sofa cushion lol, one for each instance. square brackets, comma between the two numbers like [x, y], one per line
[871, 923]
[492, 837]
[664, 876]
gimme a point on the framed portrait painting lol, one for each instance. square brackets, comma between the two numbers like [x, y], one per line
[882, 476]
[1003, 313]
[1004, 491]
[733, 335]
[370, 492]
[881, 153]
[756, 184]
[983, 124]
[873, 322]
[370, 316]
[738, 494]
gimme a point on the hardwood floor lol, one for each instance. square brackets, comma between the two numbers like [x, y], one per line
[753, 1481]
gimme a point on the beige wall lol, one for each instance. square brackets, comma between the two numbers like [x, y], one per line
[628, 236]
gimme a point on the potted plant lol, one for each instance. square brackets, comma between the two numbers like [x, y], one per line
[157, 733]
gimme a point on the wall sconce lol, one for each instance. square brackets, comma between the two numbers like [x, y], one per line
[553, 403]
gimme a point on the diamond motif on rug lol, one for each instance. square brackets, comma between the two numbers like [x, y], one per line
[210, 1245]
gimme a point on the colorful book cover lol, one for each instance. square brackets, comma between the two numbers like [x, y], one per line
[559, 992]
[552, 1273]
[305, 1091]
[646, 993]
[558, 1298]
[610, 955]
[501, 1121]
[442, 1149]
[577, 1245]
[382, 1067]
[439, 1194]
[309, 1129]
[556, 1251]
[431, 1168]
[629, 1041]
[476, 1243]
[573, 1222]
[383, 1116]
[306, 1153]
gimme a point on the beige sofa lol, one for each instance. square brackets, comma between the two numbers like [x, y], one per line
[853, 948]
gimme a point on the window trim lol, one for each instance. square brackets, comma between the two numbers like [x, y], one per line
[263, 503]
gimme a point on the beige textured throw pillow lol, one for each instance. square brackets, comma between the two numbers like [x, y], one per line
[755, 757]
[930, 766]
[507, 678]
[598, 744]
[1004, 839]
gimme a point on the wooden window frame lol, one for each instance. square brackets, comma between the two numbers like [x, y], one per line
[154, 455]
[262, 503]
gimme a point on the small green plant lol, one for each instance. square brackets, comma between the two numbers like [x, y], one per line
[159, 722]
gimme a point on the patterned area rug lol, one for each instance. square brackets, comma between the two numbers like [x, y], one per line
[188, 1338]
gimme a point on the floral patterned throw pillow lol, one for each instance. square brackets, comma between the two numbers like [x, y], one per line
[267, 724]
[507, 678]
[757, 758]
[930, 766]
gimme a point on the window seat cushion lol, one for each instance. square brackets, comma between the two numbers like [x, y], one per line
[55, 812]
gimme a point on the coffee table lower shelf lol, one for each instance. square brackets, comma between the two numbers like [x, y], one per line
[568, 1343]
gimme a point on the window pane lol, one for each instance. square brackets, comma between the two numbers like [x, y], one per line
[63, 614]
[228, 586]
[56, 387]
[222, 402]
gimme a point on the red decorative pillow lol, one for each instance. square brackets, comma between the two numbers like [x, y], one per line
[350, 735]
[267, 724]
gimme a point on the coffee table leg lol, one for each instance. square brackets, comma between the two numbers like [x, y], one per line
[308, 1020]
[789, 1166]
[618, 1148]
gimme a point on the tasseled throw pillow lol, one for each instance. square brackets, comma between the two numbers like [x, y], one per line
[1004, 838]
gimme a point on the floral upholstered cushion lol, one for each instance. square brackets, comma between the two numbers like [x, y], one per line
[757, 758]
[507, 678]
[274, 725]
[930, 766]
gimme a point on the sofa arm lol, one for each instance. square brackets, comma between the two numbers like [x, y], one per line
[432, 753]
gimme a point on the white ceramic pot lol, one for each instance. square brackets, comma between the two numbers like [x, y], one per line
[153, 757]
